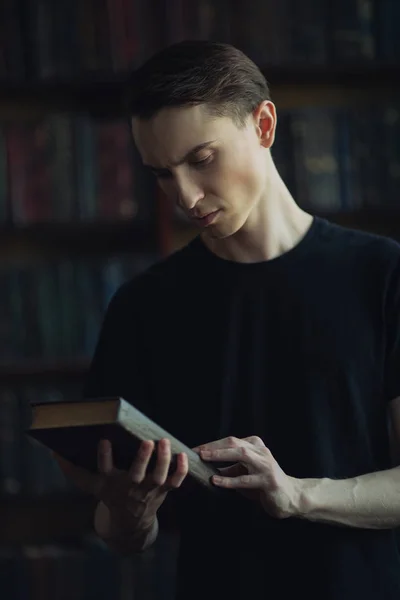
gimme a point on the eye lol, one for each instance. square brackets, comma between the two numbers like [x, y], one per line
[162, 174]
[203, 162]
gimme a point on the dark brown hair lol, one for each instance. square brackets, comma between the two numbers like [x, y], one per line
[198, 72]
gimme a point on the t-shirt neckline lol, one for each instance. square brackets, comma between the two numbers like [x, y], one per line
[299, 250]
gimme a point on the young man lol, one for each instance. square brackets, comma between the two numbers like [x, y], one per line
[272, 342]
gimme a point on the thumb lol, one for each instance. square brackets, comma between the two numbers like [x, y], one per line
[85, 480]
[233, 471]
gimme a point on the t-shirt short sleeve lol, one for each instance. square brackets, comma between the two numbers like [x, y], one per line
[392, 324]
[118, 367]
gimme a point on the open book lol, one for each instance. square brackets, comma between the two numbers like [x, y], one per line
[74, 429]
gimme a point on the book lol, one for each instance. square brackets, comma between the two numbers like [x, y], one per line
[74, 429]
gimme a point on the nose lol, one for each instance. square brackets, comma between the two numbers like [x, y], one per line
[188, 194]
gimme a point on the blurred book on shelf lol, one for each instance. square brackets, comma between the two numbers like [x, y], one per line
[54, 309]
[65, 168]
[43, 41]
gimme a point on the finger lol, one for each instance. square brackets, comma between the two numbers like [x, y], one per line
[105, 462]
[81, 478]
[137, 471]
[244, 454]
[182, 468]
[255, 440]
[160, 472]
[233, 471]
[228, 442]
[243, 481]
[64, 464]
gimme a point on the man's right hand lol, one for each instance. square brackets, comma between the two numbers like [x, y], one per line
[132, 497]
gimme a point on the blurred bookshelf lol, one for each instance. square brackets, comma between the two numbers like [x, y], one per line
[42, 370]
[78, 215]
[76, 239]
[32, 520]
[103, 96]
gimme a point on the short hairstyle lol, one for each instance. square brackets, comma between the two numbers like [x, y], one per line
[194, 72]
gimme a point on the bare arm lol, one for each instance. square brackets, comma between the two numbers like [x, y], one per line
[370, 501]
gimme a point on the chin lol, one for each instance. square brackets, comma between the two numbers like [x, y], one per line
[219, 231]
[225, 229]
[216, 233]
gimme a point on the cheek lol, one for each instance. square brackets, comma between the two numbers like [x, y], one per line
[245, 179]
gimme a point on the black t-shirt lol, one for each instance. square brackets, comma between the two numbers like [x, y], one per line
[302, 350]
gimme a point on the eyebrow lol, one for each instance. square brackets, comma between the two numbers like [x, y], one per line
[176, 163]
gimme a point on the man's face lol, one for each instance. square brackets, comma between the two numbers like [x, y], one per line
[213, 169]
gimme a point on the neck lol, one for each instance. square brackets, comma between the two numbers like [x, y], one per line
[274, 226]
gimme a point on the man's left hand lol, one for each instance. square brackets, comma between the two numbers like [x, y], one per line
[255, 473]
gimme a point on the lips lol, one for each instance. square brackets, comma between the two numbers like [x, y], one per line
[207, 219]
[204, 215]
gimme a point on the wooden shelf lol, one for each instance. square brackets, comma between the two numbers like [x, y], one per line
[349, 75]
[102, 94]
[99, 95]
[44, 370]
[333, 86]
[38, 520]
[77, 239]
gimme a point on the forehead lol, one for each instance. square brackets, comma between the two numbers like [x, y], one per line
[173, 132]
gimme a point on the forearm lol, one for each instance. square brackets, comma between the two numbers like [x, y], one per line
[369, 501]
[120, 534]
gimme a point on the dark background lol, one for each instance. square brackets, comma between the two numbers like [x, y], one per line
[78, 216]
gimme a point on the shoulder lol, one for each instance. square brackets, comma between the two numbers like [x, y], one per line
[159, 279]
[360, 249]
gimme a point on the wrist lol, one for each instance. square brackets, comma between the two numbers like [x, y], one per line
[297, 498]
[120, 525]
[308, 499]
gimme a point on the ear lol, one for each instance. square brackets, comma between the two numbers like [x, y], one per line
[265, 121]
